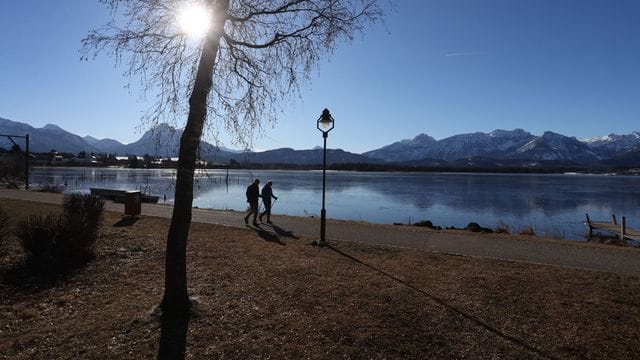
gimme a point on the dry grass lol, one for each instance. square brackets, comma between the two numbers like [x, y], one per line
[501, 228]
[263, 296]
[527, 230]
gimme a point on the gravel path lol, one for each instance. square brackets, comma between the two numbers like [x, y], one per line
[560, 253]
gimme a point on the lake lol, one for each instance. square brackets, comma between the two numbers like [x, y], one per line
[552, 204]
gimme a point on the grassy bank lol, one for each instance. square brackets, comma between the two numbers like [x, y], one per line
[262, 295]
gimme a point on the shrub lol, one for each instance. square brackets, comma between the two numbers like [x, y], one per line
[502, 227]
[424, 223]
[4, 226]
[57, 242]
[39, 237]
[83, 214]
[475, 227]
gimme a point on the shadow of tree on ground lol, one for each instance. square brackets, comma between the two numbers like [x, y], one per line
[126, 221]
[173, 335]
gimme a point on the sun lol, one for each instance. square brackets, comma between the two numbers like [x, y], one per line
[194, 20]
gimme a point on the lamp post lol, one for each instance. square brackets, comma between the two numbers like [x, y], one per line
[26, 155]
[324, 124]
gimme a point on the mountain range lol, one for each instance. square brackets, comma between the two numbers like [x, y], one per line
[509, 148]
[499, 148]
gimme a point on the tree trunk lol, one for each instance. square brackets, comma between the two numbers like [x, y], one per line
[176, 298]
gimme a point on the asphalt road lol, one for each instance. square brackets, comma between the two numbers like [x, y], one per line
[558, 253]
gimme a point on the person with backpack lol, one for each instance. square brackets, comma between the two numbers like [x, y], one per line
[267, 194]
[253, 194]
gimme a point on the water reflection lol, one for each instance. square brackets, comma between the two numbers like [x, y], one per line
[544, 201]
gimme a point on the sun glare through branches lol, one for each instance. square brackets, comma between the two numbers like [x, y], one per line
[194, 20]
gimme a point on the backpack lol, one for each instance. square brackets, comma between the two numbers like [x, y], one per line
[251, 192]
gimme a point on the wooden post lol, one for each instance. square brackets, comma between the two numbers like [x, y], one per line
[613, 219]
[26, 165]
[624, 228]
[589, 226]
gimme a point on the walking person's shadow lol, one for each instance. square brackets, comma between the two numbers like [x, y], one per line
[282, 232]
[271, 237]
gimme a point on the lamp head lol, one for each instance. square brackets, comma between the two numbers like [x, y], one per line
[325, 121]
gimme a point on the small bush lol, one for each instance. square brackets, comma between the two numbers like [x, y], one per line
[4, 227]
[83, 214]
[40, 237]
[59, 242]
[527, 230]
[474, 227]
[502, 228]
[424, 223]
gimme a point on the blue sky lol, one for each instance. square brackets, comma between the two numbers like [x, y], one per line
[440, 67]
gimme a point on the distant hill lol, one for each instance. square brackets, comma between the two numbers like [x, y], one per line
[497, 149]
[163, 140]
[628, 158]
[105, 145]
[49, 137]
[305, 157]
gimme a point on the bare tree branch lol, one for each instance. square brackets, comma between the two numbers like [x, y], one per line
[269, 48]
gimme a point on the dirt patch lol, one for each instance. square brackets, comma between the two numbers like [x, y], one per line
[277, 296]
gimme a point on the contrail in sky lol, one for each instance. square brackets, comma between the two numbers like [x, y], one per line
[464, 53]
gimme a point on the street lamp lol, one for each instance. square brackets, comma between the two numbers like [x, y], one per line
[325, 124]
[26, 155]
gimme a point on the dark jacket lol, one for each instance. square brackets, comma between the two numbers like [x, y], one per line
[253, 193]
[267, 194]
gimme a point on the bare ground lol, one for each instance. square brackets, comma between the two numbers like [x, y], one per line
[259, 294]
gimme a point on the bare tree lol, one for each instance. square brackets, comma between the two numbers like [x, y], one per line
[255, 54]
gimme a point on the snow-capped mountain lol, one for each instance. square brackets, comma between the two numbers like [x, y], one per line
[507, 145]
[494, 144]
[552, 146]
[163, 140]
[613, 144]
[411, 149]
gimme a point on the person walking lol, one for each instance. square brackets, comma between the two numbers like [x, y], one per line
[253, 193]
[267, 194]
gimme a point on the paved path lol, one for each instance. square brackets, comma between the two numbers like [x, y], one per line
[560, 253]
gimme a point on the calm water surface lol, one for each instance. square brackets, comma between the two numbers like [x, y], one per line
[552, 204]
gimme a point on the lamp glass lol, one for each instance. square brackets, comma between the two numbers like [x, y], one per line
[326, 123]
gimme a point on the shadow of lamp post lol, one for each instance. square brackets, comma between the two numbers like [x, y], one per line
[325, 124]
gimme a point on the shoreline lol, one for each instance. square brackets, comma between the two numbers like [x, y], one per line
[530, 249]
[631, 171]
[447, 199]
